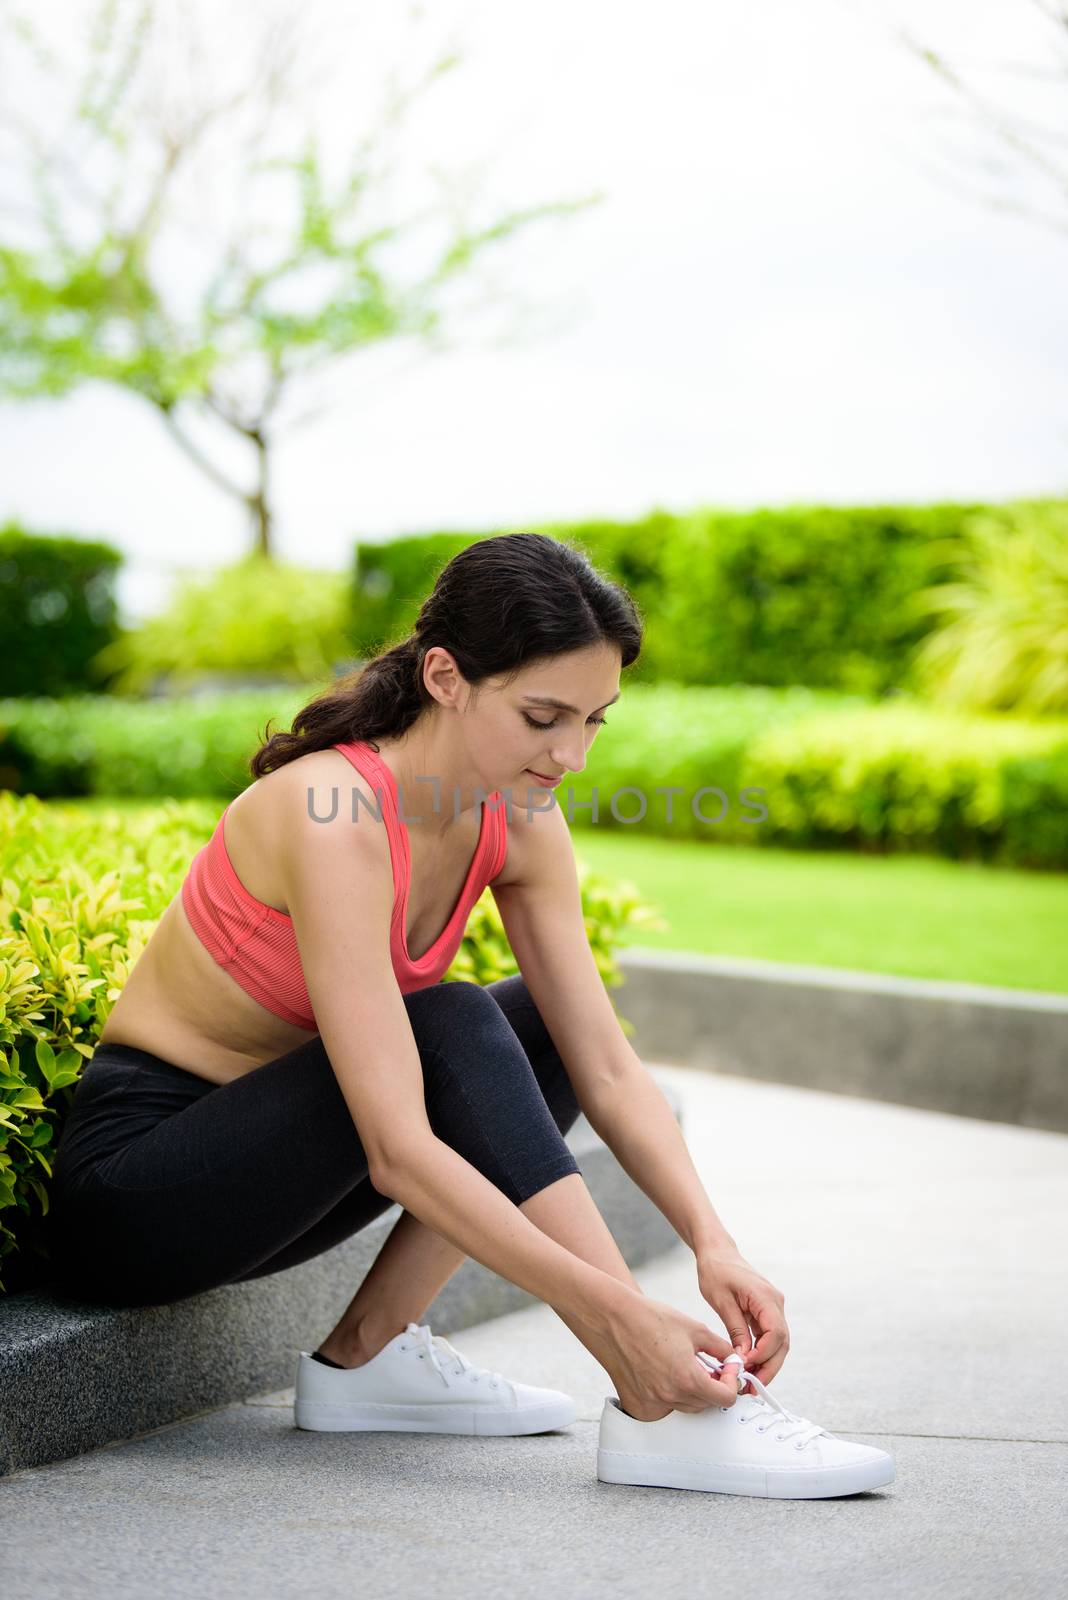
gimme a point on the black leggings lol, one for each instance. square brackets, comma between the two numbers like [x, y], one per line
[166, 1184]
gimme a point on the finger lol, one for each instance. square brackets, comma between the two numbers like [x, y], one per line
[743, 1371]
[772, 1330]
[769, 1354]
[713, 1391]
[737, 1327]
[727, 1376]
[712, 1343]
[766, 1347]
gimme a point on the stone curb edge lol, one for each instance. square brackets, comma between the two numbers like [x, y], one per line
[996, 1054]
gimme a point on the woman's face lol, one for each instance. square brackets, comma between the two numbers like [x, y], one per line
[512, 737]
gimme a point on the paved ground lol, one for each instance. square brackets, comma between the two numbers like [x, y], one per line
[923, 1262]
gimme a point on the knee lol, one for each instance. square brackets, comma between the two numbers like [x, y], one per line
[518, 1006]
[460, 1027]
[452, 1010]
[466, 1032]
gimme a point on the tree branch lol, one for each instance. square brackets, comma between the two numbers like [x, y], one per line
[1007, 131]
[197, 455]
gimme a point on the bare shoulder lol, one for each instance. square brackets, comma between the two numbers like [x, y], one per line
[537, 841]
[314, 776]
[317, 810]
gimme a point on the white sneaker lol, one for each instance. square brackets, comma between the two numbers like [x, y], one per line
[420, 1383]
[753, 1447]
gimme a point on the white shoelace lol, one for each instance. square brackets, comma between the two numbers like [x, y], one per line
[436, 1346]
[763, 1403]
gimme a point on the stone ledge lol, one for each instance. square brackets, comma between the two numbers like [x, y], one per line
[74, 1376]
[996, 1054]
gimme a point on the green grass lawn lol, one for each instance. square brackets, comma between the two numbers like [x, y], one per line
[914, 915]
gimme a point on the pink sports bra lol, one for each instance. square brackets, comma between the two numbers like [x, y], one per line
[256, 944]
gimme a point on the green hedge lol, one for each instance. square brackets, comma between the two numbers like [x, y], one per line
[154, 748]
[834, 771]
[817, 595]
[803, 594]
[908, 776]
[81, 891]
[57, 610]
[837, 770]
[392, 578]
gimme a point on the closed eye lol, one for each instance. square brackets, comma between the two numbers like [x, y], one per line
[535, 724]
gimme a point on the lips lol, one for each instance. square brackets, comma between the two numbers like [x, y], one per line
[541, 777]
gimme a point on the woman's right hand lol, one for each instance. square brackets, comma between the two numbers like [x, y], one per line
[650, 1353]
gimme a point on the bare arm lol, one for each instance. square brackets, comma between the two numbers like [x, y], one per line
[339, 890]
[541, 908]
[639, 1127]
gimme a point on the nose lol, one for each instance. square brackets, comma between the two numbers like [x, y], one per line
[570, 753]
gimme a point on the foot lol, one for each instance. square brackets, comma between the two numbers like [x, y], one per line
[753, 1447]
[420, 1383]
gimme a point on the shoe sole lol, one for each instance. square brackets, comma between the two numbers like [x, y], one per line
[339, 1416]
[766, 1483]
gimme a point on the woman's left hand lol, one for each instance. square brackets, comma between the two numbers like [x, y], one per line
[744, 1299]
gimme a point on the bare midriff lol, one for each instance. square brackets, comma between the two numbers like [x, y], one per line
[180, 1005]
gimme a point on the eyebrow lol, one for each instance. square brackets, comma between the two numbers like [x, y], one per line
[561, 705]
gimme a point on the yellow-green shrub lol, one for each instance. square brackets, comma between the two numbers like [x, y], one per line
[1002, 639]
[257, 616]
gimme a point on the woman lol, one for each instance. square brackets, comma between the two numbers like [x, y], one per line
[284, 1061]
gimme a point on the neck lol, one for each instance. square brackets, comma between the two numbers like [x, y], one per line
[429, 767]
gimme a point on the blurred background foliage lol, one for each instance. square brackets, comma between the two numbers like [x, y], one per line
[259, 617]
[882, 678]
[1001, 636]
[962, 605]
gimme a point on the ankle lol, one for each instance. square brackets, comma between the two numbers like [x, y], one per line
[642, 1413]
[358, 1344]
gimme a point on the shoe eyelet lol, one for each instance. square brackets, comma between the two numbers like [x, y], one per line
[780, 1438]
[494, 1385]
[798, 1446]
[724, 1408]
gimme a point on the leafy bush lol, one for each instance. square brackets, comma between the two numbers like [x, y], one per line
[57, 611]
[259, 615]
[108, 746]
[815, 595]
[392, 578]
[1002, 643]
[905, 776]
[80, 895]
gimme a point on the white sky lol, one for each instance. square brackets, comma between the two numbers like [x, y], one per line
[779, 299]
